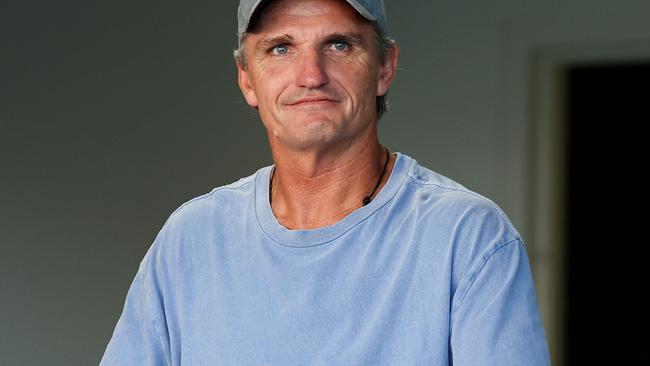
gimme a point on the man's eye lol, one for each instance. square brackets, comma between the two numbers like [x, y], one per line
[280, 49]
[340, 45]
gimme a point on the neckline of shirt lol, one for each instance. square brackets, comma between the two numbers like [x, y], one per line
[309, 238]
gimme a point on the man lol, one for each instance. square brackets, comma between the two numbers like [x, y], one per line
[341, 253]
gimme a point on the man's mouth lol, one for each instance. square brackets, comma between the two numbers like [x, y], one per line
[312, 100]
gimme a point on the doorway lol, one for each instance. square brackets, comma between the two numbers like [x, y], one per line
[607, 116]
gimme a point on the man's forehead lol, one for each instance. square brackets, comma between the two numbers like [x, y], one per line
[249, 11]
[305, 7]
[282, 13]
[301, 18]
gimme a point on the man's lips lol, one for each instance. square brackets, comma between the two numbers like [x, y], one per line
[307, 100]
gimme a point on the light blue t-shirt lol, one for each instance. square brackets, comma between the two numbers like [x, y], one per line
[429, 273]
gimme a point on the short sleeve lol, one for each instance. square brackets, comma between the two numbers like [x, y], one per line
[495, 320]
[140, 336]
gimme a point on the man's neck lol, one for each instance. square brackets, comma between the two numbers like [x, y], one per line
[312, 191]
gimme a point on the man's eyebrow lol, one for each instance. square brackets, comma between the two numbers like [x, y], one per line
[354, 38]
[266, 43]
[350, 37]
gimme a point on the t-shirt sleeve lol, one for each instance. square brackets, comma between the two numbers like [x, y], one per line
[140, 337]
[495, 319]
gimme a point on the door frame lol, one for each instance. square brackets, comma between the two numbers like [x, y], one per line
[547, 167]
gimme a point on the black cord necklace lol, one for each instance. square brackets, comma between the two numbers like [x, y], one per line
[366, 200]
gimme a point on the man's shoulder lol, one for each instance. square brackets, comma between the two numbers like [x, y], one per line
[201, 220]
[226, 199]
[445, 190]
[428, 178]
[455, 204]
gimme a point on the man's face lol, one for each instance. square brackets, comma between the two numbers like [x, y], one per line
[314, 73]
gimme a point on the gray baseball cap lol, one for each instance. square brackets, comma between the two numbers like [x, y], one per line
[372, 10]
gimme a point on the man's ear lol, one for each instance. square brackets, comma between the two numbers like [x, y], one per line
[387, 70]
[246, 86]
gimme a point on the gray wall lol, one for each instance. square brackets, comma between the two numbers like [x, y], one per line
[114, 113]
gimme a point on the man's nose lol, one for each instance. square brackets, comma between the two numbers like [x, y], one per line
[311, 72]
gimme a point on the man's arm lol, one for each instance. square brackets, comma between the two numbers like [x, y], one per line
[140, 337]
[495, 319]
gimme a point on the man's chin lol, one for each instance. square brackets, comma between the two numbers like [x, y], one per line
[313, 124]
[312, 140]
